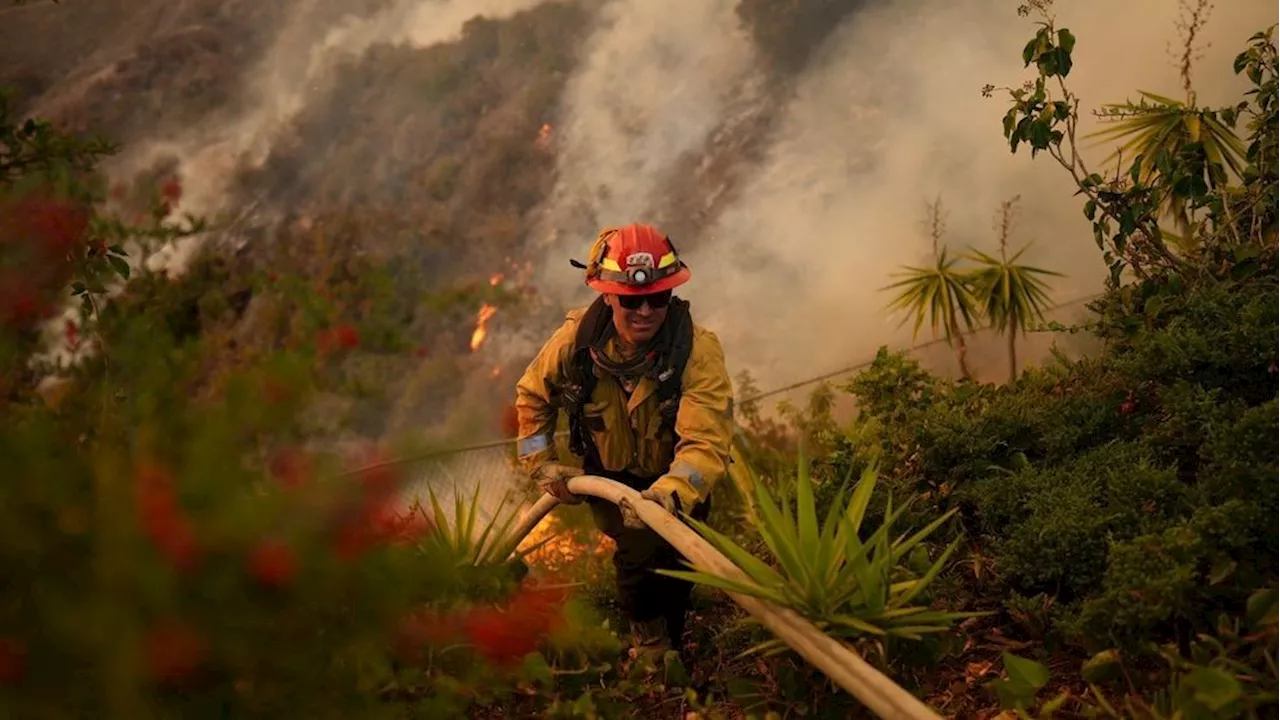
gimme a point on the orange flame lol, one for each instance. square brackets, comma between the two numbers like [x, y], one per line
[544, 137]
[495, 278]
[561, 547]
[496, 371]
[477, 336]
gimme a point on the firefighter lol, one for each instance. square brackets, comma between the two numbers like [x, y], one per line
[649, 404]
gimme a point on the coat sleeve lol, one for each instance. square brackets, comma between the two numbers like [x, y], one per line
[535, 413]
[704, 425]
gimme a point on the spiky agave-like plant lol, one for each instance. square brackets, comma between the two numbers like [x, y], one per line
[846, 585]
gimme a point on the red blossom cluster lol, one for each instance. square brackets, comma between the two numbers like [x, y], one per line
[174, 650]
[502, 634]
[273, 563]
[162, 517]
[71, 332]
[171, 190]
[376, 518]
[40, 238]
[343, 337]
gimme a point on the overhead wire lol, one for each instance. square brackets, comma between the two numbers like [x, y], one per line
[743, 401]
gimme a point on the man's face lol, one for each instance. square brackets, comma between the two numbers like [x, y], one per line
[638, 317]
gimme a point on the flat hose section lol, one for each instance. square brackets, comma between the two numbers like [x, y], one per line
[840, 663]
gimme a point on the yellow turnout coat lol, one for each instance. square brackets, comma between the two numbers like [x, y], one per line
[627, 432]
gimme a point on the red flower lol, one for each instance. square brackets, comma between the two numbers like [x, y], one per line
[162, 518]
[342, 336]
[505, 636]
[1129, 405]
[374, 518]
[173, 651]
[171, 190]
[21, 303]
[403, 529]
[13, 661]
[56, 224]
[290, 467]
[347, 336]
[72, 334]
[39, 238]
[273, 563]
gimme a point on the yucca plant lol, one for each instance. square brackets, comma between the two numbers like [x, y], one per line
[462, 538]
[847, 582]
[1183, 149]
[940, 293]
[1011, 296]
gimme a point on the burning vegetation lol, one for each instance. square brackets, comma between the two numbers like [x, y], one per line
[478, 335]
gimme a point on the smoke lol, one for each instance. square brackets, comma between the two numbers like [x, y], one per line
[296, 70]
[654, 81]
[888, 116]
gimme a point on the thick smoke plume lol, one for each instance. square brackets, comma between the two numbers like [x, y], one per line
[297, 69]
[654, 82]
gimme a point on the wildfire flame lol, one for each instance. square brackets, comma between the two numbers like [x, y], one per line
[477, 336]
[496, 371]
[544, 137]
[562, 546]
[495, 278]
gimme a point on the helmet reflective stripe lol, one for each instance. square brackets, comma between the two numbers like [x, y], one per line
[634, 259]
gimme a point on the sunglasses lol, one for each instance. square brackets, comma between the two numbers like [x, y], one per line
[656, 301]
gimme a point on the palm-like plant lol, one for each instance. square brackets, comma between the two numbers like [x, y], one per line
[465, 539]
[847, 585]
[939, 293]
[1157, 130]
[1167, 128]
[1012, 296]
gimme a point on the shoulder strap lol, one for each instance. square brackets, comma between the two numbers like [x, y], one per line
[580, 376]
[670, 373]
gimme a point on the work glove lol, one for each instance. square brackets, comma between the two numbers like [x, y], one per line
[667, 500]
[553, 479]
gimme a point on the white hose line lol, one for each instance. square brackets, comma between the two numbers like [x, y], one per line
[840, 663]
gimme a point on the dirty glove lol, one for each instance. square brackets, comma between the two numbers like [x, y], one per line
[553, 479]
[667, 500]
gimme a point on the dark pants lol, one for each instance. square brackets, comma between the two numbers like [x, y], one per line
[644, 595]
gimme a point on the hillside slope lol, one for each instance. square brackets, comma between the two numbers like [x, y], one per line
[431, 158]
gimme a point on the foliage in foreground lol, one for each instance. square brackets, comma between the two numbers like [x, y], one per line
[852, 581]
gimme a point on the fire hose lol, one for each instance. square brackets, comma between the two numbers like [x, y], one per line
[837, 660]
